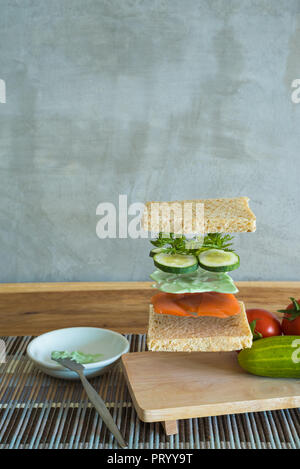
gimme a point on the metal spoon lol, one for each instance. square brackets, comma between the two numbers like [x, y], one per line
[94, 398]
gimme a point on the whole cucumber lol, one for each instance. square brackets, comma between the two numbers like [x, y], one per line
[274, 357]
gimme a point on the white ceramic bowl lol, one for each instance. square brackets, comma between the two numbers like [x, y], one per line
[84, 339]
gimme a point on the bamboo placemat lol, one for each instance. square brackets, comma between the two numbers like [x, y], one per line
[40, 412]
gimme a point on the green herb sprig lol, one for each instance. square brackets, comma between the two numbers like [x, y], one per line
[177, 244]
[173, 244]
[217, 241]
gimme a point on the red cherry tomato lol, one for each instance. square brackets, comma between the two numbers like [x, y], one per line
[267, 324]
[291, 321]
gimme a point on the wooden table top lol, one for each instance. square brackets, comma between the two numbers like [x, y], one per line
[34, 308]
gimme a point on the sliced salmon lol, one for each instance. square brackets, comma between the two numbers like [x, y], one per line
[220, 305]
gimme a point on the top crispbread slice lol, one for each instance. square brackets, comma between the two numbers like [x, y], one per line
[228, 215]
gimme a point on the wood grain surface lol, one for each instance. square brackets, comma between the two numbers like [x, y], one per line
[34, 308]
[166, 386]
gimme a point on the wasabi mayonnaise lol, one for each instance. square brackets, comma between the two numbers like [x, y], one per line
[78, 357]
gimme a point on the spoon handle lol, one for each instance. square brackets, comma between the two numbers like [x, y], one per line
[100, 406]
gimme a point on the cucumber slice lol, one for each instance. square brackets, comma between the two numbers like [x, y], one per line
[217, 260]
[156, 251]
[176, 263]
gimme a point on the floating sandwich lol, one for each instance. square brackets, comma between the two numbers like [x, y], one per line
[195, 308]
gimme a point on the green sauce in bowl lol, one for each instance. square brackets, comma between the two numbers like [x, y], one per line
[78, 357]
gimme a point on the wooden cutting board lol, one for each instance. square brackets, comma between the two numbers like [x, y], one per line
[168, 386]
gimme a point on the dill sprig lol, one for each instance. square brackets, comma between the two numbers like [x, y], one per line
[178, 244]
[173, 244]
[217, 241]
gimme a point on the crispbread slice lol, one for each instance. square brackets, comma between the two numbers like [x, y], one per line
[228, 215]
[167, 333]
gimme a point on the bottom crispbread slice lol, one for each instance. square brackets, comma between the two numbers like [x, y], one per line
[168, 333]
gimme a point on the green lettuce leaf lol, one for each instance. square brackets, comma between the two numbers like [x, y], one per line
[195, 282]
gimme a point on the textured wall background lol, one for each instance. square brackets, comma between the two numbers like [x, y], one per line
[159, 100]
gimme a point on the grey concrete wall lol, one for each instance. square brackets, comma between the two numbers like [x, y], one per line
[159, 100]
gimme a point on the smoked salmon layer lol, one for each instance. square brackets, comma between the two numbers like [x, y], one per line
[220, 305]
